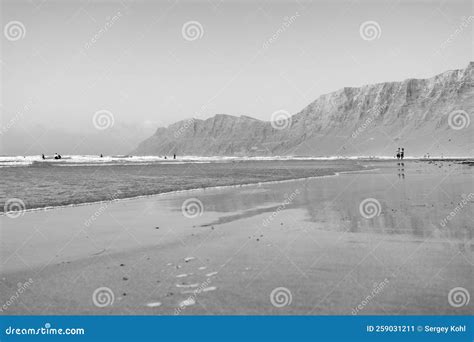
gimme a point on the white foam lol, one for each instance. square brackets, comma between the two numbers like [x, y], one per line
[94, 160]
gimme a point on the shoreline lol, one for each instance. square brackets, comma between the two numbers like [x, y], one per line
[92, 160]
[177, 192]
[461, 161]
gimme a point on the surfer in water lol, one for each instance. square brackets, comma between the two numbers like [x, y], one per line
[43, 157]
[398, 153]
[57, 156]
[402, 155]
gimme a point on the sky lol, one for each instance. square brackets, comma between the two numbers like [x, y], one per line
[145, 64]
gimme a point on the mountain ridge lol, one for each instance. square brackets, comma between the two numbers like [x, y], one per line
[371, 120]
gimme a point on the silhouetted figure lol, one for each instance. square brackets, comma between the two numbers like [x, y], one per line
[43, 157]
[402, 155]
[398, 153]
[174, 156]
[165, 157]
[57, 156]
[101, 155]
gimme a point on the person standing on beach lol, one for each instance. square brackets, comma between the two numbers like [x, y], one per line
[398, 153]
[403, 153]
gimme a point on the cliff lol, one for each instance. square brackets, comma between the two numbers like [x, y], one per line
[373, 120]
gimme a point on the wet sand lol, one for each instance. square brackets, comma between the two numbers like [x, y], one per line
[305, 241]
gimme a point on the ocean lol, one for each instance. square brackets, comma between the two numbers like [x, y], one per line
[76, 180]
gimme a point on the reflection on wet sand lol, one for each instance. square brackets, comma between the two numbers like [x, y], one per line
[413, 205]
[401, 170]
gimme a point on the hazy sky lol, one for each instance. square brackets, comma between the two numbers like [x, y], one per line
[250, 58]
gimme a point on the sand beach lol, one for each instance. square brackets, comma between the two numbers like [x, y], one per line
[392, 239]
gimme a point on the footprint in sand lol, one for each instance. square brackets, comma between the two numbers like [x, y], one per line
[187, 285]
[187, 302]
[154, 304]
[206, 289]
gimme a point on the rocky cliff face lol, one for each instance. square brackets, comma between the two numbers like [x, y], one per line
[422, 115]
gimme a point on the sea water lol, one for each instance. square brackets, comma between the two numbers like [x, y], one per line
[86, 179]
